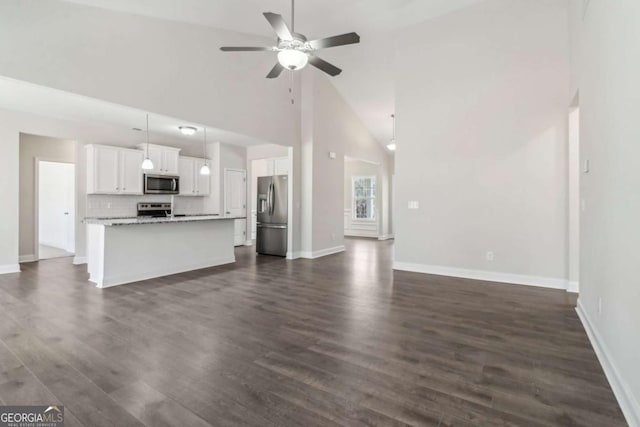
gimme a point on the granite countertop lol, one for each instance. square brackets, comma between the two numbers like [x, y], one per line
[161, 220]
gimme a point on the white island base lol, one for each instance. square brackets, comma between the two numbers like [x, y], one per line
[120, 252]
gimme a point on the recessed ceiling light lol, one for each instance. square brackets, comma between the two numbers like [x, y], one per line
[187, 130]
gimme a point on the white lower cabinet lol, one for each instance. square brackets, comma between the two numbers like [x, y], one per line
[239, 231]
[114, 170]
[192, 183]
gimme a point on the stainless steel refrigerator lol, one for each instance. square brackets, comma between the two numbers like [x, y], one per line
[272, 215]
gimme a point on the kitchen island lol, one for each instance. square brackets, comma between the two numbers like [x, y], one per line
[125, 250]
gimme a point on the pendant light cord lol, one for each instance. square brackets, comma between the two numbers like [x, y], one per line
[147, 135]
[204, 146]
[393, 117]
[293, 9]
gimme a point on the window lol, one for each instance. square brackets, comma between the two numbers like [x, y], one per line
[364, 197]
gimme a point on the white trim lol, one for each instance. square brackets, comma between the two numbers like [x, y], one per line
[78, 260]
[488, 276]
[386, 237]
[573, 286]
[9, 268]
[106, 282]
[322, 252]
[27, 258]
[294, 255]
[361, 233]
[628, 403]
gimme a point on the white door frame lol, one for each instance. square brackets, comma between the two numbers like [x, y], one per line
[224, 188]
[36, 204]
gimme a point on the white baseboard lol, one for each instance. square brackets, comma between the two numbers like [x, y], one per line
[294, 255]
[385, 237]
[27, 258]
[248, 243]
[573, 286]
[123, 279]
[321, 252]
[361, 233]
[628, 403]
[488, 276]
[9, 268]
[78, 260]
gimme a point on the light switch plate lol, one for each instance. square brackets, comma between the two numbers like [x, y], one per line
[414, 204]
[332, 154]
[585, 167]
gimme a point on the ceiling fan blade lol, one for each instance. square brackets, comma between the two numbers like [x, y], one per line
[275, 71]
[278, 24]
[323, 65]
[341, 40]
[244, 49]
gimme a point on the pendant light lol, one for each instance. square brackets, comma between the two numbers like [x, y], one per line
[147, 164]
[204, 170]
[392, 145]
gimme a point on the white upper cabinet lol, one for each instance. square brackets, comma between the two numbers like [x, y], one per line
[203, 185]
[191, 182]
[165, 159]
[113, 170]
[187, 177]
[278, 166]
[131, 171]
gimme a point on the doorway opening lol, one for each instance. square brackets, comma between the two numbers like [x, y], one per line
[362, 198]
[55, 209]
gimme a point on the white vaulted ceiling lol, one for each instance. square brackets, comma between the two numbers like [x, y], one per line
[367, 79]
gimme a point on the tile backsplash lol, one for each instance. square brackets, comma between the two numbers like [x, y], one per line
[112, 206]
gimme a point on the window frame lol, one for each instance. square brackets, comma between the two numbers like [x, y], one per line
[374, 179]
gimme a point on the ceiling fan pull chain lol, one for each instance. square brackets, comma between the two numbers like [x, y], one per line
[291, 86]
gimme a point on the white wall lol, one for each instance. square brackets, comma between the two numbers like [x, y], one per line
[32, 147]
[157, 65]
[482, 98]
[609, 224]
[9, 194]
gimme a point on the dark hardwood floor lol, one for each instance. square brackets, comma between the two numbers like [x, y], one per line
[342, 340]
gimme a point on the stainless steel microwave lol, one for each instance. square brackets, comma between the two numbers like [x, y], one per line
[161, 184]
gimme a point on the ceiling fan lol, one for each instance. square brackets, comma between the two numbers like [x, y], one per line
[294, 50]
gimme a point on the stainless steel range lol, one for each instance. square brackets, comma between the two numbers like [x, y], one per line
[154, 210]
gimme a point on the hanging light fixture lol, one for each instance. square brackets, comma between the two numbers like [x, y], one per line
[392, 145]
[204, 170]
[187, 130]
[147, 164]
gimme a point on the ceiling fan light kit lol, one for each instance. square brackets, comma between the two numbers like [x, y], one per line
[294, 51]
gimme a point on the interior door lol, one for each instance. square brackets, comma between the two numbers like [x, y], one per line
[235, 190]
[56, 205]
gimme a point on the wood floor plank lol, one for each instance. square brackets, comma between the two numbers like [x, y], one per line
[342, 340]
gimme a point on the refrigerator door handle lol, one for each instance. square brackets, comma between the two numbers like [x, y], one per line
[271, 226]
[269, 200]
[272, 201]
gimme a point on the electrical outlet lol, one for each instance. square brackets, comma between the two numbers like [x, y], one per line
[583, 205]
[599, 305]
[333, 236]
[109, 205]
[490, 256]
